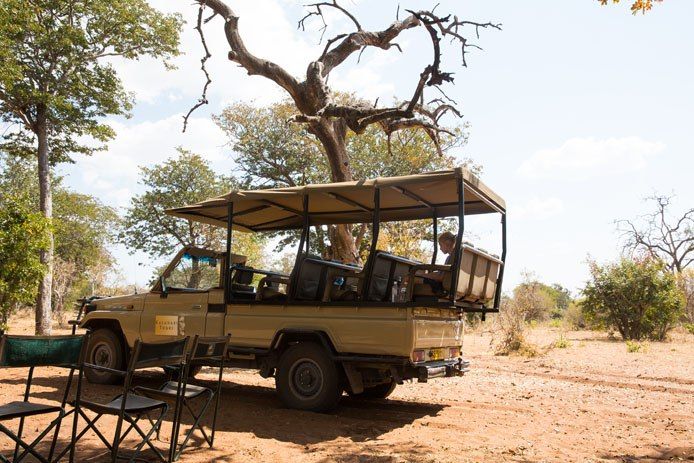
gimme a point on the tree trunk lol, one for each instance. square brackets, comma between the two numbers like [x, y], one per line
[44, 320]
[331, 134]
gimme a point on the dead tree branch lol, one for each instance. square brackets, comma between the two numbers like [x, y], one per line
[203, 98]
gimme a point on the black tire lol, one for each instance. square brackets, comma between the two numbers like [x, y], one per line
[105, 349]
[381, 391]
[308, 379]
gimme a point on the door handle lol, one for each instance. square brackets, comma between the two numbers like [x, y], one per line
[197, 306]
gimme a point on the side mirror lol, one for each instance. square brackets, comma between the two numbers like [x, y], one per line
[164, 289]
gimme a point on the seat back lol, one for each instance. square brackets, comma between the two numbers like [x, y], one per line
[386, 270]
[35, 351]
[308, 279]
[209, 349]
[157, 354]
[477, 276]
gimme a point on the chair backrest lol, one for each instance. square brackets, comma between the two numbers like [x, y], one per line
[36, 351]
[209, 349]
[308, 278]
[386, 269]
[158, 354]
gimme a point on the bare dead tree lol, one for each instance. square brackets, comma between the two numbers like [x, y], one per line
[330, 120]
[660, 236]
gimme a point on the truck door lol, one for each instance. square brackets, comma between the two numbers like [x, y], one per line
[216, 311]
[180, 313]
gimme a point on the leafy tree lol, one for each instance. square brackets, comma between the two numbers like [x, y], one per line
[184, 179]
[271, 153]
[22, 235]
[637, 298]
[56, 85]
[83, 228]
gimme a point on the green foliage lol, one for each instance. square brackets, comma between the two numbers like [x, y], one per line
[83, 228]
[562, 342]
[635, 346]
[573, 317]
[541, 300]
[689, 327]
[22, 235]
[274, 153]
[184, 179]
[52, 54]
[637, 298]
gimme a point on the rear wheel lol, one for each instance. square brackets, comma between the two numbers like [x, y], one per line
[106, 350]
[375, 392]
[308, 379]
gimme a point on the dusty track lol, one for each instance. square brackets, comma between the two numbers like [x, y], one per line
[590, 402]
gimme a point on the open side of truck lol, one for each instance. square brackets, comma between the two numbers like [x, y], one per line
[327, 326]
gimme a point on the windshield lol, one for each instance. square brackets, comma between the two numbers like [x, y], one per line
[195, 272]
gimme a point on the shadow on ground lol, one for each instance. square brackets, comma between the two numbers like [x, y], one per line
[257, 410]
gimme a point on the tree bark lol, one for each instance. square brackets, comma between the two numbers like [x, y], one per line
[332, 136]
[44, 318]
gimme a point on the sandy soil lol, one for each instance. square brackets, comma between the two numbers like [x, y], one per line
[591, 401]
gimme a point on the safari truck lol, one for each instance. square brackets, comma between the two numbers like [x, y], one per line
[327, 326]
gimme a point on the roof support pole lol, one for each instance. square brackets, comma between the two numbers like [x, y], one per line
[435, 232]
[375, 228]
[500, 279]
[303, 241]
[227, 265]
[459, 238]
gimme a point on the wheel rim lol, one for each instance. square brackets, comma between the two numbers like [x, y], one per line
[103, 355]
[305, 379]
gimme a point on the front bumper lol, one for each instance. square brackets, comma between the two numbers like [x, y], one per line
[438, 369]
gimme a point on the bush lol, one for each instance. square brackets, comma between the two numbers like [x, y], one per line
[634, 347]
[637, 298]
[562, 343]
[573, 317]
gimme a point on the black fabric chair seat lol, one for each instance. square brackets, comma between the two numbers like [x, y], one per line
[134, 404]
[22, 409]
[169, 390]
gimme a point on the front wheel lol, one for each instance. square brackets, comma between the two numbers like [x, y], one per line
[105, 349]
[307, 378]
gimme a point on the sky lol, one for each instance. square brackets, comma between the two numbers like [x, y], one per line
[577, 112]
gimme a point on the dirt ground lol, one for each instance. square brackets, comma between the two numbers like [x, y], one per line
[589, 402]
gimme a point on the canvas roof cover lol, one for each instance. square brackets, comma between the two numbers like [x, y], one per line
[401, 198]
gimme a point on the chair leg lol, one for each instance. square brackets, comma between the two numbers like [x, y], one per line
[146, 438]
[28, 448]
[178, 449]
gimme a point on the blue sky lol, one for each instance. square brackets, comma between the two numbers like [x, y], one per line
[576, 111]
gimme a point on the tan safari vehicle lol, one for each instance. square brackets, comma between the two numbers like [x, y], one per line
[327, 327]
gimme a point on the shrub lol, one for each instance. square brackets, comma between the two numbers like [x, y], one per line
[562, 343]
[635, 346]
[573, 317]
[637, 298]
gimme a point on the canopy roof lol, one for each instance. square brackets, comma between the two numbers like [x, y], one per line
[401, 198]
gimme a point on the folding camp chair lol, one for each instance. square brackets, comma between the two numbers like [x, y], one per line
[38, 351]
[130, 407]
[210, 351]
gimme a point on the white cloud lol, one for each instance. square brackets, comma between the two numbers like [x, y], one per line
[113, 175]
[538, 209]
[590, 157]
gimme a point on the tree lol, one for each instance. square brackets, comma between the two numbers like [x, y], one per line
[184, 179]
[271, 153]
[329, 118]
[22, 235]
[637, 298]
[83, 228]
[56, 85]
[638, 5]
[659, 236]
